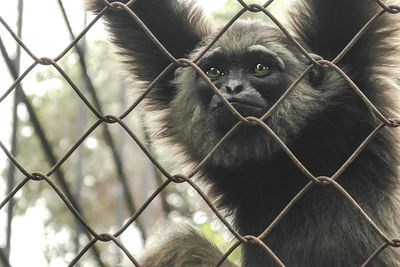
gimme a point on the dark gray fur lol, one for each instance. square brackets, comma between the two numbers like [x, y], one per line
[321, 122]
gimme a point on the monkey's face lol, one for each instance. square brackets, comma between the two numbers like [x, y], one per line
[251, 75]
[251, 80]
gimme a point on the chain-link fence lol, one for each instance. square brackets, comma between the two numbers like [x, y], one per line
[63, 190]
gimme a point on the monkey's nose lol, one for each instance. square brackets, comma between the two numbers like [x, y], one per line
[234, 88]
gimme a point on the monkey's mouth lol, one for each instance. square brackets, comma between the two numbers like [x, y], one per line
[239, 104]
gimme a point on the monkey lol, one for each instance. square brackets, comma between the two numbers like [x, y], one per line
[322, 121]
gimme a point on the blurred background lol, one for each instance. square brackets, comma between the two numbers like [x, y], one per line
[108, 177]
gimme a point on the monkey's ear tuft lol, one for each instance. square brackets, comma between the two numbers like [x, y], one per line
[179, 26]
[316, 73]
[96, 5]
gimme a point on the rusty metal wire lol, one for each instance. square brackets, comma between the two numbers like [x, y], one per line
[181, 178]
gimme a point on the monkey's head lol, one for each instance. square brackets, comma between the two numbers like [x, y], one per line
[252, 65]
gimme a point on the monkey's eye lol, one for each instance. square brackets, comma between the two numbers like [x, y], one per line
[261, 69]
[213, 73]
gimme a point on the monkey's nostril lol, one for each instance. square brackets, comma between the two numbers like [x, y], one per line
[236, 89]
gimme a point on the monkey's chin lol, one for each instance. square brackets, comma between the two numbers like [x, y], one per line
[248, 144]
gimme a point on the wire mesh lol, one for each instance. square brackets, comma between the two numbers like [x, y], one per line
[180, 178]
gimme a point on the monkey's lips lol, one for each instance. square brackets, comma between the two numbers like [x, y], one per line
[243, 106]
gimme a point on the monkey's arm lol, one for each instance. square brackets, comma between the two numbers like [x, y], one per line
[182, 248]
[178, 25]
